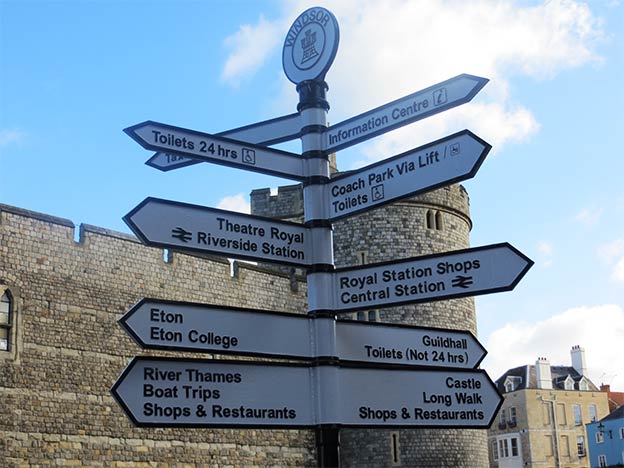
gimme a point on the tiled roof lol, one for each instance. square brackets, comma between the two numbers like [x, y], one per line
[617, 414]
[526, 377]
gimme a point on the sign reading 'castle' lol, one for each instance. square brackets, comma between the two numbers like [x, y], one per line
[177, 392]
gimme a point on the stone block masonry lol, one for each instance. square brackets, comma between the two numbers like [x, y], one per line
[67, 349]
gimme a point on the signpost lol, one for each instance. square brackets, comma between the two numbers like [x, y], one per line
[356, 374]
[449, 160]
[450, 275]
[169, 392]
[183, 326]
[217, 149]
[169, 224]
[268, 132]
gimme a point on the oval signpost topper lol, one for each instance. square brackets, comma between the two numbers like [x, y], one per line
[311, 45]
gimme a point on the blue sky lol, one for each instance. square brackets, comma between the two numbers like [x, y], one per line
[74, 73]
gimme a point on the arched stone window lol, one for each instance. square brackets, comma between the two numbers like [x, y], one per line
[438, 220]
[433, 220]
[430, 219]
[6, 320]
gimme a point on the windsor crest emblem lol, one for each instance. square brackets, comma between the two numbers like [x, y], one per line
[311, 45]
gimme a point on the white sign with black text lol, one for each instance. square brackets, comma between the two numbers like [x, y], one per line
[169, 224]
[184, 326]
[170, 392]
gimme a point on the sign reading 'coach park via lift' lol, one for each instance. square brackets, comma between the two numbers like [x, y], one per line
[212, 393]
[183, 326]
[449, 160]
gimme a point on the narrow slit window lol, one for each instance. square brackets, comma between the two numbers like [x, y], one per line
[438, 220]
[430, 219]
[395, 449]
[6, 319]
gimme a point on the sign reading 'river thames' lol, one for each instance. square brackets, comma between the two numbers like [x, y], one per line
[212, 393]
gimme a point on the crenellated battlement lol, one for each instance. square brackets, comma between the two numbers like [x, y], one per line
[36, 244]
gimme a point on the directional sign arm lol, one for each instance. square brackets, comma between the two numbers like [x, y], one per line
[265, 133]
[449, 160]
[183, 226]
[403, 111]
[169, 392]
[449, 275]
[207, 328]
[217, 149]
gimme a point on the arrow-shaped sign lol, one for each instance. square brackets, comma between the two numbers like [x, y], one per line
[182, 226]
[403, 111]
[265, 133]
[183, 326]
[217, 149]
[449, 160]
[167, 392]
[461, 273]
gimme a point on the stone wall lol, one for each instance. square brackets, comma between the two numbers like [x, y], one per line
[67, 349]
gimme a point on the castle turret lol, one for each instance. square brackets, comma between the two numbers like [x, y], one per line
[438, 221]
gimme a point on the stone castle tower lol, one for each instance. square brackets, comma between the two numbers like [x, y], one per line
[438, 221]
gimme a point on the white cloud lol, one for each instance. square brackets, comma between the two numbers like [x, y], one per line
[545, 250]
[251, 46]
[611, 251]
[8, 137]
[618, 271]
[392, 48]
[238, 203]
[599, 329]
[589, 217]
[613, 254]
